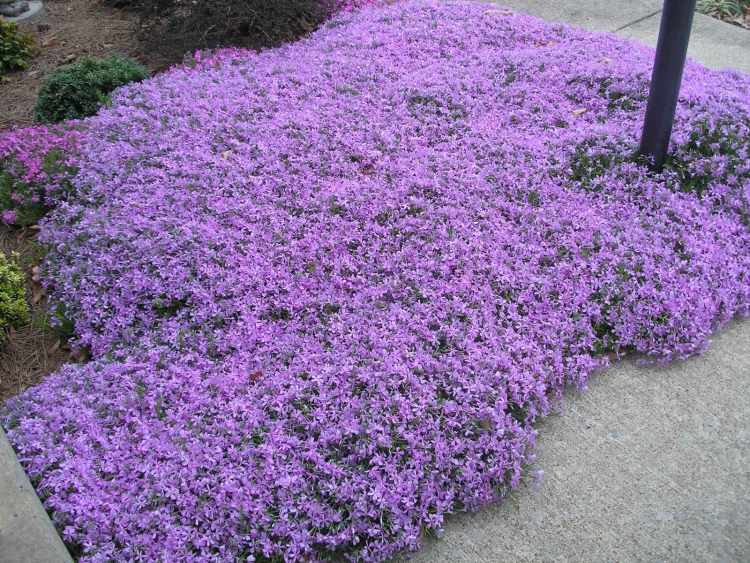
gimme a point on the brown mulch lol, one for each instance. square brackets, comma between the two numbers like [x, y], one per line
[64, 32]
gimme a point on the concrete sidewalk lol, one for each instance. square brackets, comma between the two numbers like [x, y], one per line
[650, 464]
[713, 43]
[26, 533]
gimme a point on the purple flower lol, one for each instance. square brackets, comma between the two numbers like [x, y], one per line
[329, 288]
[9, 217]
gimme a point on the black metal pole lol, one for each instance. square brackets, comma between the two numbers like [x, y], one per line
[671, 50]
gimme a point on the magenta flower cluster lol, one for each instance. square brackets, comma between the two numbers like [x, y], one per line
[35, 164]
[329, 288]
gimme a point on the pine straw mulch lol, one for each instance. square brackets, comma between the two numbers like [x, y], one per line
[32, 351]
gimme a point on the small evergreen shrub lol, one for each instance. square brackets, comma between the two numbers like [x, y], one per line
[14, 310]
[16, 48]
[80, 89]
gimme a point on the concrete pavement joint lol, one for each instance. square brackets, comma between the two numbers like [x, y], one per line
[636, 21]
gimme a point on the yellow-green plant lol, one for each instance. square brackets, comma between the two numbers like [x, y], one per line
[14, 310]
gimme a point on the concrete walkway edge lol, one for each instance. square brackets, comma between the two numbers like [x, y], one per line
[26, 532]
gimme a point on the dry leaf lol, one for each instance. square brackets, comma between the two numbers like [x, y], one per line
[36, 295]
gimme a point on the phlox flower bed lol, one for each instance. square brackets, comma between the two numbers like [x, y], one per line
[329, 288]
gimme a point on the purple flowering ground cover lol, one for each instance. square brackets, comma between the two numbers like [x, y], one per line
[329, 288]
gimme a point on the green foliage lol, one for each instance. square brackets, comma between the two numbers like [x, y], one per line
[26, 213]
[618, 95]
[692, 165]
[723, 8]
[80, 89]
[64, 326]
[16, 48]
[591, 160]
[694, 161]
[14, 310]
[26, 199]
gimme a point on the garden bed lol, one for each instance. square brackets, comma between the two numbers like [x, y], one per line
[67, 31]
[736, 12]
[33, 350]
[329, 288]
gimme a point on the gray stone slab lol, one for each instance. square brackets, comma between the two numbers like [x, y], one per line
[596, 15]
[649, 464]
[26, 533]
[714, 43]
[36, 9]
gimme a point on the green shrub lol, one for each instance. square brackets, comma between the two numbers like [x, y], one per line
[16, 48]
[80, 89]
[14, 310]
